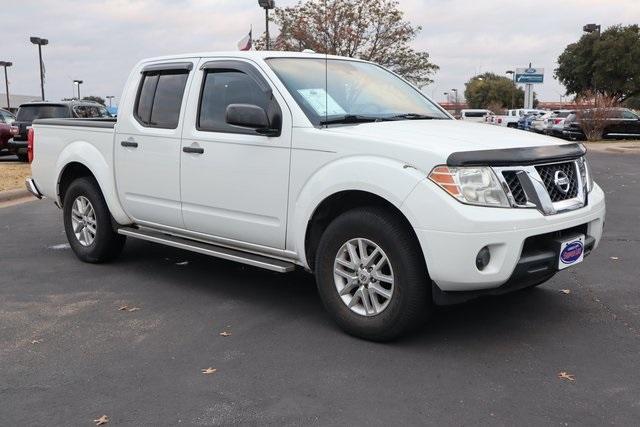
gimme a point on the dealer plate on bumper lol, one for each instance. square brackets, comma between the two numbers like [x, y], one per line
[571, 251]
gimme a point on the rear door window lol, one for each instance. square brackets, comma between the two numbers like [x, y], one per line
[160, 98]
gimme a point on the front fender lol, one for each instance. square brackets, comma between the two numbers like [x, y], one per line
[89, 156]
[388, 178]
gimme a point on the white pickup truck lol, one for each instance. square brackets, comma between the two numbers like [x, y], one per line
[510, 119]
[335, 165]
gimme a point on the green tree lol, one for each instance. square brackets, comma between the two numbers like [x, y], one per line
[97, 99]
[607, 64]
[374, 30]
[490, 89]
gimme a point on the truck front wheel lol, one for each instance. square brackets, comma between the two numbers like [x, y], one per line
[87, 223]
[371, 275]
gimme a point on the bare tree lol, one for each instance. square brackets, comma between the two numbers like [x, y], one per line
[594, 111]
[374, 30]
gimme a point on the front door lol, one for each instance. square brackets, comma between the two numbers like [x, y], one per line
[147, 144]
[234, 181]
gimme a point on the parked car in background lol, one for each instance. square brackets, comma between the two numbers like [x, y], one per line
[539, 123]
[235, 155]
[620, 123]
[555, 123]
[511, 118]
[475, 115]
[525, 121]
[7, 130]
[31, 111]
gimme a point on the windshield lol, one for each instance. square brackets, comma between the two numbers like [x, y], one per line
[29, 113]
[355, 91]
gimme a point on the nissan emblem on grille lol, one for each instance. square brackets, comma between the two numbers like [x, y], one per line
[562, 182]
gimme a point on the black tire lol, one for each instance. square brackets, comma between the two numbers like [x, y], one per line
[23, 157]
[107, 244]
[410, 303]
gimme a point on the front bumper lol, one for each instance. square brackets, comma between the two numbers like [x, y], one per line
[452, 234]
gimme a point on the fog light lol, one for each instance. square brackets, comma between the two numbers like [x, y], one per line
[483, 258]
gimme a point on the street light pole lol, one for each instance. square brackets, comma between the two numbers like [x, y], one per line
[78, 83]
[6, 64]
[109, 97]
[456, 93]
[593, 29]
[266, 5]
[513, 95]
[40, 42]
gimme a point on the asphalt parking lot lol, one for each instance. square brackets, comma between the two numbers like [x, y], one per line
[69, 353]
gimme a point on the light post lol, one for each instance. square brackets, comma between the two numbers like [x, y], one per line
[593, 29]
[78, 83]
[266, 5]
[109, 97]
[455, 91]
[40, 42]
[6, 64]
[513, 94]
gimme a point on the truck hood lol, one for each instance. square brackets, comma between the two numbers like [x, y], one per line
[443, 137]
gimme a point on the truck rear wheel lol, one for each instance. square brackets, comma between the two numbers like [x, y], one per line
[371, 275]
[87, 223]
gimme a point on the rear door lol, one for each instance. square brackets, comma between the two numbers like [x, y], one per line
[235, 181]
[147, 144]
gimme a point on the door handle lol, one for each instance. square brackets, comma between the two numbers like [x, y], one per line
[129, 144]
[194, 150]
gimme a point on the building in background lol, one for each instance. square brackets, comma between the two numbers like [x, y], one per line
[16, 100]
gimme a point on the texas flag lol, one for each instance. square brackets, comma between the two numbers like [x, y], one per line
[246, 42]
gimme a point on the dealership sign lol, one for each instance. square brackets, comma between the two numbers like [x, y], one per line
[529, 75]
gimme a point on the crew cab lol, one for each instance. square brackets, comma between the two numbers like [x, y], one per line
[334, 165]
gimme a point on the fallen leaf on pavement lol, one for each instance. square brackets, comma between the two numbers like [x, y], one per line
[225, 334]
[182, 263]
[36, 341]
[209, 371]
[133, 309]
[127, 308]
[614, 258]
[102, 420]
[566, 376]
[565, 291]
[124, 307]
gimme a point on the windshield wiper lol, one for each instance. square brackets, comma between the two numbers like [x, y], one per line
[352, 118]
[413, 116]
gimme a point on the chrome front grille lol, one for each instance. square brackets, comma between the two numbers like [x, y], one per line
[515, 187]
[551, 188]
[548, 174]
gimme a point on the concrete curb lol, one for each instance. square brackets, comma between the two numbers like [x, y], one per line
[18, 193]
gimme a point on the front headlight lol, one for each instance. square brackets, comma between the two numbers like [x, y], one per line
[471, 185]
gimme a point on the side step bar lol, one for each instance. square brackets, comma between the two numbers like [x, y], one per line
[211, 250]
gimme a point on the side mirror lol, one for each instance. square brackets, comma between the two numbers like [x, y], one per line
[250, 116]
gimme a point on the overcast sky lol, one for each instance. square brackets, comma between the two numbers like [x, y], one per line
[99, 40]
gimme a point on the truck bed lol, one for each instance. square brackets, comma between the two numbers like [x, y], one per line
[90, 123]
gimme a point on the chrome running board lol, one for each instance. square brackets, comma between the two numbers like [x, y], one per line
[211, 250]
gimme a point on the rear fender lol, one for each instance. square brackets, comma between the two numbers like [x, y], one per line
[89, 156]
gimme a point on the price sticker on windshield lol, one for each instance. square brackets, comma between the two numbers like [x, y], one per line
[322, 103]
